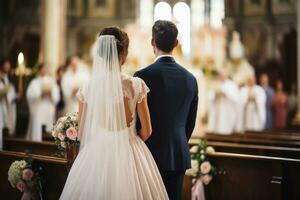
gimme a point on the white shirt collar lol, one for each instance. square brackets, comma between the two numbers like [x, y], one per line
[161, 56]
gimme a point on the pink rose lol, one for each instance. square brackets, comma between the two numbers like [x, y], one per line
[61, 136]
[205, 167]
[72, 133]
[21, 186]
[206, 179]
[27, 174]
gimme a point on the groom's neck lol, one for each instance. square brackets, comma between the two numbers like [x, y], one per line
[162, 53]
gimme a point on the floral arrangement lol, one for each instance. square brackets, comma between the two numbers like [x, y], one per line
[23, 176]
[201, 167]
[65, 132]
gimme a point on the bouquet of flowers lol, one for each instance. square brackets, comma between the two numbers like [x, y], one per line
[201, 166]
[65, 132]
[24, 177]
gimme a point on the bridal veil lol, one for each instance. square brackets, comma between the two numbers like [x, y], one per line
[104, 168]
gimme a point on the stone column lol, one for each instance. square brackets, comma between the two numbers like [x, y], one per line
[146, 13]
[197, 13]
[298, 52]
[53, 33]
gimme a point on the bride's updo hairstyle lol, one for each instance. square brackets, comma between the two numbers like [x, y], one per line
[121, 38]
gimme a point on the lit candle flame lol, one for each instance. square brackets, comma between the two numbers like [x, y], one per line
[21, 58]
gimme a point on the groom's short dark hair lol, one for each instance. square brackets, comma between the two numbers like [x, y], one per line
[164, 33]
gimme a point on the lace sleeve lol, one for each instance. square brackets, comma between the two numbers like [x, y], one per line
[81, 93]
[143, 90]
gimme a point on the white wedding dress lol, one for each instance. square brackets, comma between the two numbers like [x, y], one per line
[113, 162]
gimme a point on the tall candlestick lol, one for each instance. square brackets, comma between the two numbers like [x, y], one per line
[21, 71]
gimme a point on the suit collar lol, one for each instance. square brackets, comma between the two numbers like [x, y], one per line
[166, 58]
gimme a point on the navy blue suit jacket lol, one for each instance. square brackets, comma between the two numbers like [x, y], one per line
[173, 101]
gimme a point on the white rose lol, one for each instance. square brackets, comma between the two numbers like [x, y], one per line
[194, 149]
[61, 136]
[193, 171]
[63, 119]
[202, 152]
[73, 118]
[54, 134]
[195, 164]
[63, 145]
[22, 164]
[210, 149]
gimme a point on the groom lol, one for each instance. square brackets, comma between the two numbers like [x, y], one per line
[172, 101]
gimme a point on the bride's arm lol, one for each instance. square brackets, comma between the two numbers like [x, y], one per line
[80, 111]
[145, 120]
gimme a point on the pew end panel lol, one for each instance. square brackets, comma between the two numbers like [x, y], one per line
[253, 177]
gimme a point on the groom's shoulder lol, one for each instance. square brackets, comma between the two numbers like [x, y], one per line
[144, 71]
[186, 72]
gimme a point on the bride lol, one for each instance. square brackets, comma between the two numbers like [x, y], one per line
[114, 162]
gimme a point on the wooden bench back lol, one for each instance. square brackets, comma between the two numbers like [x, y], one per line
[21, 145]
[252, 149]
[240, 138]
[55, 172]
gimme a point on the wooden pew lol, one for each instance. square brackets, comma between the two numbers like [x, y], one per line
[55, 171]
[48, 137]
[248, 177]
[264, 136]
[21, 145]
[263, 150]
[239, 138]
[276, 132]
[268, 135]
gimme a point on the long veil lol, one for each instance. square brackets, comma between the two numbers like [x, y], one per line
[104, 111]
[104, 166]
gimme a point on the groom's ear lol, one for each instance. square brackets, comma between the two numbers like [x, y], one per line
[153, 42]
[176, 43]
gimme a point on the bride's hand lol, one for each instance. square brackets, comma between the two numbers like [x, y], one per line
[144, 116]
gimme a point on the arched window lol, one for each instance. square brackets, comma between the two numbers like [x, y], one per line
[217, 13]
[162, 10]
[181, 13]
[198, 13]
[146, 13]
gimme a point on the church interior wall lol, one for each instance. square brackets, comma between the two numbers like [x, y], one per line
[264, 32]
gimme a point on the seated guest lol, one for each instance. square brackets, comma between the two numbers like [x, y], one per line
[280, 106]
[252, 111]
[42, 95]
[76, 75]
[7, 98]
[223, 106]
[264, 82]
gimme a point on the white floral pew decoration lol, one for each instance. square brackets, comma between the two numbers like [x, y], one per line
[26, 177]
[65, 133]
[202, 171]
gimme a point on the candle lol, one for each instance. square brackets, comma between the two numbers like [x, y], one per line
[20, 58]
[21, 71]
